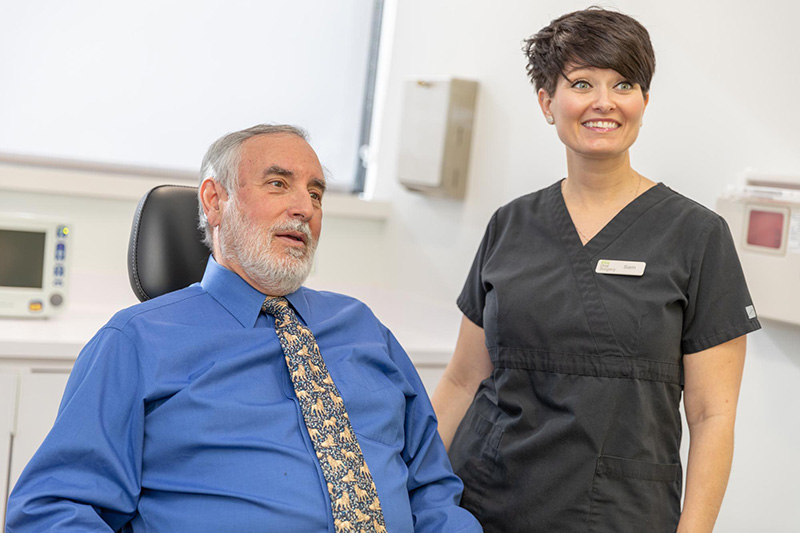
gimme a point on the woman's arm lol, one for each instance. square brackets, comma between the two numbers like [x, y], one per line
[711, 392]
[469, 366]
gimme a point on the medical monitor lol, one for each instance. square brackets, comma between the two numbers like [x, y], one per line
[34, 255]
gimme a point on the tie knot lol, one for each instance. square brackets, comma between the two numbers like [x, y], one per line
[275, 306]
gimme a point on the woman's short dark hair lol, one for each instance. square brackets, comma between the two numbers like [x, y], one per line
[593, 37]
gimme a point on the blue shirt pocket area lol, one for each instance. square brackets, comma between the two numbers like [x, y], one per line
[634, 496]
[377, 407]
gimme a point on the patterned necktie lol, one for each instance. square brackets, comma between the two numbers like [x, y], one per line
[354, 498]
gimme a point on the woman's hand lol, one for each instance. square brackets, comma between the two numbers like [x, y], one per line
[469, 366]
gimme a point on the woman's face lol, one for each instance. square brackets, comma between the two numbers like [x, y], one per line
[597, 112]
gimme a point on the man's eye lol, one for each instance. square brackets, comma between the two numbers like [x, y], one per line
[316, 196]
[275, 183]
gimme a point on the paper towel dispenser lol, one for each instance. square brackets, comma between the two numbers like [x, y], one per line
[435, 135]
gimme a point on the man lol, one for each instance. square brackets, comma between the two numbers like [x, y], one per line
[211, 408]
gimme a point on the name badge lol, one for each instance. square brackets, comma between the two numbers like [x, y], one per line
[620, 268]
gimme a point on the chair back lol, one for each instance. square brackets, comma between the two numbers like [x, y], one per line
[166, 250]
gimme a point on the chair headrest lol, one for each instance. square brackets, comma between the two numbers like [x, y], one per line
[166, 250]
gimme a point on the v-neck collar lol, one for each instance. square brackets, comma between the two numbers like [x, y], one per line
[581, 255]
[613, 229]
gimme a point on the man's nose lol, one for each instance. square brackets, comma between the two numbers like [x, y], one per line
[301, 206]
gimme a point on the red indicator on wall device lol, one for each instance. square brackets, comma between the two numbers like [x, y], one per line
[765, 228]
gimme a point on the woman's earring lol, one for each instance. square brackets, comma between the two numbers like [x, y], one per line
[550, 119]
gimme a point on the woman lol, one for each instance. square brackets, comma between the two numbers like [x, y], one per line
[591, 305]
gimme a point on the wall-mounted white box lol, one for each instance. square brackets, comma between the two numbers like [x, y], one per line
[435, 135]
[764, 217]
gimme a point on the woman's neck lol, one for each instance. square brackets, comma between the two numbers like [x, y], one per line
[601, 182]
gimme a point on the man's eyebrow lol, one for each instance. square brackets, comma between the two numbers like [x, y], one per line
[319, 183]
[280, 171]
[277, 170]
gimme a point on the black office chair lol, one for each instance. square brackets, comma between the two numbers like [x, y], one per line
[166, 250]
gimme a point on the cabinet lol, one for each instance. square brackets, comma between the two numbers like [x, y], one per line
[8, 394]
[36, 357]
[39, 395]
[29, 400]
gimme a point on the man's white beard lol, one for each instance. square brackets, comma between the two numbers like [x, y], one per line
[278, 272]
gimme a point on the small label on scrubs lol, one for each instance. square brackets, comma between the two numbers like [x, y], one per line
[620, 268]
[751, 311]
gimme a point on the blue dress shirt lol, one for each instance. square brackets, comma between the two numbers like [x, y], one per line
[180, 415]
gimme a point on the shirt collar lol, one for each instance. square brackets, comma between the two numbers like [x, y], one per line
[241, 299]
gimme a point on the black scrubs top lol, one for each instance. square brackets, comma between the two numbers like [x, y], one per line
[578, 428]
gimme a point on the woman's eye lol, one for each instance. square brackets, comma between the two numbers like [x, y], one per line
[625, 85]
[581, 85]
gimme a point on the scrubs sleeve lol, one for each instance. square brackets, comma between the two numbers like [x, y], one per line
[473, 296]
[434, 491]
[86, 475]
[719, 307]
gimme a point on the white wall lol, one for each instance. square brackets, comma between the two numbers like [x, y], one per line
[722, 101]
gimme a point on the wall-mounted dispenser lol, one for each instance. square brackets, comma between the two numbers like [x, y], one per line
[435, 136]
[764, 217]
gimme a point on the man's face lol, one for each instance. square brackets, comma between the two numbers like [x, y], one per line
[270, 226]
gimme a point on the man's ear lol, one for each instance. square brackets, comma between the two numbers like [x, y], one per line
[212, 195]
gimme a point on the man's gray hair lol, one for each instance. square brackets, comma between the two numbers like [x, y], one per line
[221, 162]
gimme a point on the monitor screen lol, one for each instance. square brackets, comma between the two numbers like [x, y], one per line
[765, 228]
[21, 258]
